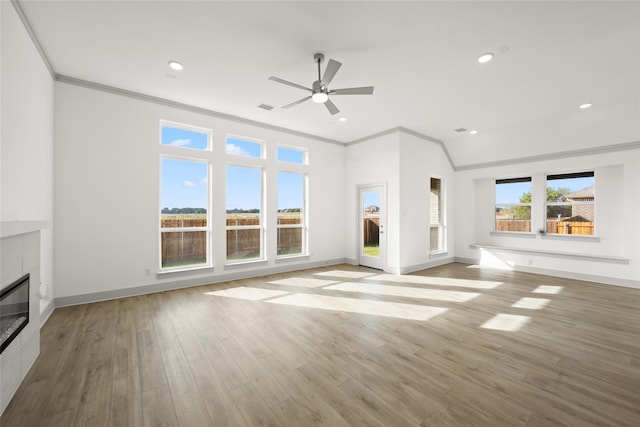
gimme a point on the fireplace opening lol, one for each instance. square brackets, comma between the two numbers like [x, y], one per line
[14, 310]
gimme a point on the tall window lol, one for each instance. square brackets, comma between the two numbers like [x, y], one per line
[513, 204]
[184, 197]
[244, 213]
[291, 214]
[570, 203]
[436, 230]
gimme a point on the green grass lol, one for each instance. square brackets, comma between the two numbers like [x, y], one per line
[371, 250]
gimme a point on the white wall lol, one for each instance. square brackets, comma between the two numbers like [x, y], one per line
[27, 137]
[420, 160]
[405, 162]
[107, 194]
[617, 219]
[374, 161]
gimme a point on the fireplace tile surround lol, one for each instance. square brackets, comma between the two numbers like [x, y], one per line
[20, 255]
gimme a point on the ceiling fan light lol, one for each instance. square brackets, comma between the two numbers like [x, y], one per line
[319, 97]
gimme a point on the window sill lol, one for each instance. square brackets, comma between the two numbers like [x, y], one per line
[291, 258]
[436, 254]
[185, 269]
[575, 237]
[522, 234]
[240, 264]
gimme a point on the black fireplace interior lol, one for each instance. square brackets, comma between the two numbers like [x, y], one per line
[14, 310]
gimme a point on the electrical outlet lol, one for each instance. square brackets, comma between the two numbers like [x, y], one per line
[530, 261]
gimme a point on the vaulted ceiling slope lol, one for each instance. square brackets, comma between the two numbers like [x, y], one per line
[549, 58]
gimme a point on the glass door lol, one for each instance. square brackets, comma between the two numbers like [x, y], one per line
[371, 224]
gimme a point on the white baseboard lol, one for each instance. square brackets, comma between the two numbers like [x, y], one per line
[187, 283]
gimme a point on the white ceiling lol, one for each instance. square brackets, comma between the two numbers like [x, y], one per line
[420, 56]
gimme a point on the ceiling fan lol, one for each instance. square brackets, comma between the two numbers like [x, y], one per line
[320, 88]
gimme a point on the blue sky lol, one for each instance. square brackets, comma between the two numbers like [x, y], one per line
[184, 183]
[510, 193]
[371, 198]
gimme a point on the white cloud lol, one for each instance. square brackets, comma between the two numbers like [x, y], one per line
[188, 184]
[180, 142]
[234, 149]
[203, 181]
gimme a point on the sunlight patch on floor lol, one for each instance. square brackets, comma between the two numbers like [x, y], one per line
[548, 289]
[531, 303]
[436, 281]
[489, 259]
[303, 282]
[346, 274]
[251, 294]
[506, 322]
[402, 291]
[376, 308]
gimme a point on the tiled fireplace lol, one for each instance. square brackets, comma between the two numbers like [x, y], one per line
[19, 304]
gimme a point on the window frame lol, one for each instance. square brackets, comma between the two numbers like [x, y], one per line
[240, 157]
[547, 204]
[188, 128]
[303, 217]
[441, 225]
[304, 151]
[207, 229]
[262, 215]
[512, 205]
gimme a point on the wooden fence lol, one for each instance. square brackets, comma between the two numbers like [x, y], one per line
[553, 226]
[371, 231]
[189, 247]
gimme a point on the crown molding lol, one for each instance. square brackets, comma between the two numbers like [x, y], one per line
[17, 5]
[174, 104]
[633, 145]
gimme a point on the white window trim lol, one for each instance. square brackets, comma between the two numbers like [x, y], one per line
[442, 225]
[207, 228]
[512, 205]
[303, 218]
[262, 217]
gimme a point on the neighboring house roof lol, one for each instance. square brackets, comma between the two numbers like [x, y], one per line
[584, 194]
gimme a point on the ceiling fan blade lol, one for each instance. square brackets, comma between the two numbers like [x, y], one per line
[331, 107]
[285, 82]
[330, 71]
[300, 101]
[365, 90]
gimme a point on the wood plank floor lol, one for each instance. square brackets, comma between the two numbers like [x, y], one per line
[343, 345]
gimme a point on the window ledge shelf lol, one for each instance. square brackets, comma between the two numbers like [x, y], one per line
[552, 254]
[524, 235]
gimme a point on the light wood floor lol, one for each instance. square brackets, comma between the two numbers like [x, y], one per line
[343, 345]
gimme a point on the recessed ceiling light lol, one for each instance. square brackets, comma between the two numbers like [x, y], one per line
[342, 119]
[485, 57]
[175, 65]
[585, 106]
[473, 131]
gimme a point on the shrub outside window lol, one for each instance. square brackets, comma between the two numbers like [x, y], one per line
[513, 205]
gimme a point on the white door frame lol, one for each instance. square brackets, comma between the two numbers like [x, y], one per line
[379, 262]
